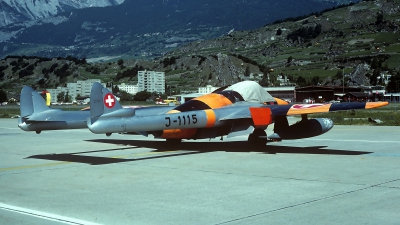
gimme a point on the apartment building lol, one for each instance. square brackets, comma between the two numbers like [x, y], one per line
[129, 88]
[151, 81]
[81, 88]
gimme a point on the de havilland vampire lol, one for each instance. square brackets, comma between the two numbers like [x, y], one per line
[244, 108]
[36, 116]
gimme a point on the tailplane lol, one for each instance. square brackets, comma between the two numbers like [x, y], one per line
[31, 102]
[102, 101]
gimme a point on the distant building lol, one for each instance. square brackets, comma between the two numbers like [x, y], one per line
[80, 88]
[85, 86]
[328, 93]
[182, 98]
[151, 81]
[356, 97]
[55, 92]
[207, 89]
[286, 93]
[129, 88]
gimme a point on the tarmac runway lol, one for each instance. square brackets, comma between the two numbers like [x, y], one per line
[350, 175]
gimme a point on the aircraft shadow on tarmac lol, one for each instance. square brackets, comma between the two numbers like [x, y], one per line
[189, 148]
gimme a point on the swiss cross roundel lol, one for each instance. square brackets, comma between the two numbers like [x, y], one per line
[109, 100]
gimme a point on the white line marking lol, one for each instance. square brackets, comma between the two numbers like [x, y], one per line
[8, 128]
[369, 141]
[46, 216]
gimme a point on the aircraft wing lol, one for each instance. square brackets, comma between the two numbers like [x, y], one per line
[300, 109]
[244, 112]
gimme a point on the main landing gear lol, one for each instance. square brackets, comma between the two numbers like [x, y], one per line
[173, 142]
[258, 138]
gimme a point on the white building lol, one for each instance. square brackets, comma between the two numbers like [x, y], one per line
[151, 81]
[85, 86]
[129, 88]
[81, 88]
[207, 89]
[55, 92]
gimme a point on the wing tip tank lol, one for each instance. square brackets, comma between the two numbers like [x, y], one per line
[372, 105]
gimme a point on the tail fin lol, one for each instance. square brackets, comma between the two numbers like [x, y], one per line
[102, 101]
[31, 102]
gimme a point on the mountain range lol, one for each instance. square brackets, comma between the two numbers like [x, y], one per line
[140, 28]
[17, 11]
[358, 40]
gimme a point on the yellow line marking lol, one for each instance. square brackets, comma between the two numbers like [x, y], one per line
[141, 154]
[32, 166]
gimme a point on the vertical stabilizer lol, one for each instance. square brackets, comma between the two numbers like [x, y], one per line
[31, 102]
[26, 102]
[102, 101]
[39, 104]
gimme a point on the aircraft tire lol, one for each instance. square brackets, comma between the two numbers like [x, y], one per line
[254, 139]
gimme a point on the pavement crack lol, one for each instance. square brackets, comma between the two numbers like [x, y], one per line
[307, 202]
[254, 175]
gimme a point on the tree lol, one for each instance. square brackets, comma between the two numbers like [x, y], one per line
[247, 72]
[289, 59]
[115, 89]
[317, 31]
[264, 81]
[379, 18]
[120, 62]
[61, 97]
[385, 67]
[279, 32]
[142, 96]
[339, 75]
[394, 83]
[125, 96]
[301, 81]
[67, 97]
[315, 80]
[373, 80]
[3, 96]
[273, 79]
[375, 63]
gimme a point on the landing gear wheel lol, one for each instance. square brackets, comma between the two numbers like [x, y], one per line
[255, 140]
[173, 142]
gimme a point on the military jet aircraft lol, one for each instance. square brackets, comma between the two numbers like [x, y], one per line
[244, 108]
[36, 116]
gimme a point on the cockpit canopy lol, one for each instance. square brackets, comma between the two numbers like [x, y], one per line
[251, 92]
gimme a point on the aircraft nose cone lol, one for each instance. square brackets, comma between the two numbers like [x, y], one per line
[23, 126]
